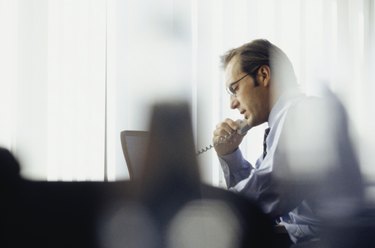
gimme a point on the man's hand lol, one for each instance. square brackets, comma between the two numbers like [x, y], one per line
[225, 138]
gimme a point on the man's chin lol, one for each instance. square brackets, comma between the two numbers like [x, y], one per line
[249, 120]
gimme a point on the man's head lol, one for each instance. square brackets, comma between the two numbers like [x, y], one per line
[252, 72]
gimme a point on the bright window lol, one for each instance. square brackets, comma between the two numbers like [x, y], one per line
[76, 73]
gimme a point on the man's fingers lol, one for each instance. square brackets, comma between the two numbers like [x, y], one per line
[231, 123]
[224, 128]
[223, 132]
[225, 137]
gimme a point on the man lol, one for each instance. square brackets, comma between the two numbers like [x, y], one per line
[263, 87]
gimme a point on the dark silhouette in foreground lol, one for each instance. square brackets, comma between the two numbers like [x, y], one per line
[167, 207]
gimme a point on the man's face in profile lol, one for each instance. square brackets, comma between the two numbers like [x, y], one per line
[250, 100]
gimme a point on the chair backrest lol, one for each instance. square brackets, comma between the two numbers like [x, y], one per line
[134, 146]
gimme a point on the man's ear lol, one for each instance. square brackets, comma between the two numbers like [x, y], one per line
[264, 75]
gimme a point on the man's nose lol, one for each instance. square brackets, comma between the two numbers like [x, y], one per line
[233, 102]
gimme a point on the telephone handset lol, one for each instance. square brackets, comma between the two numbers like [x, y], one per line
[242, 129]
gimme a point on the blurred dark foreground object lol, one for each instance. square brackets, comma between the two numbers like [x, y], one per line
[170, 186]
[53, 214]
[167, 207]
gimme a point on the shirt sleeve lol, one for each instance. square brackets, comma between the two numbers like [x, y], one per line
[258, 184]
[235, 167]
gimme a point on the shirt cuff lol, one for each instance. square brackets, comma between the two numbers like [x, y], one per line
[235, 167]
[235, 160]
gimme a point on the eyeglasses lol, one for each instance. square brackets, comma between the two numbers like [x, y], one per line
[233, 87]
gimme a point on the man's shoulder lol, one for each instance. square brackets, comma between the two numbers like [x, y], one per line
[313, 108]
